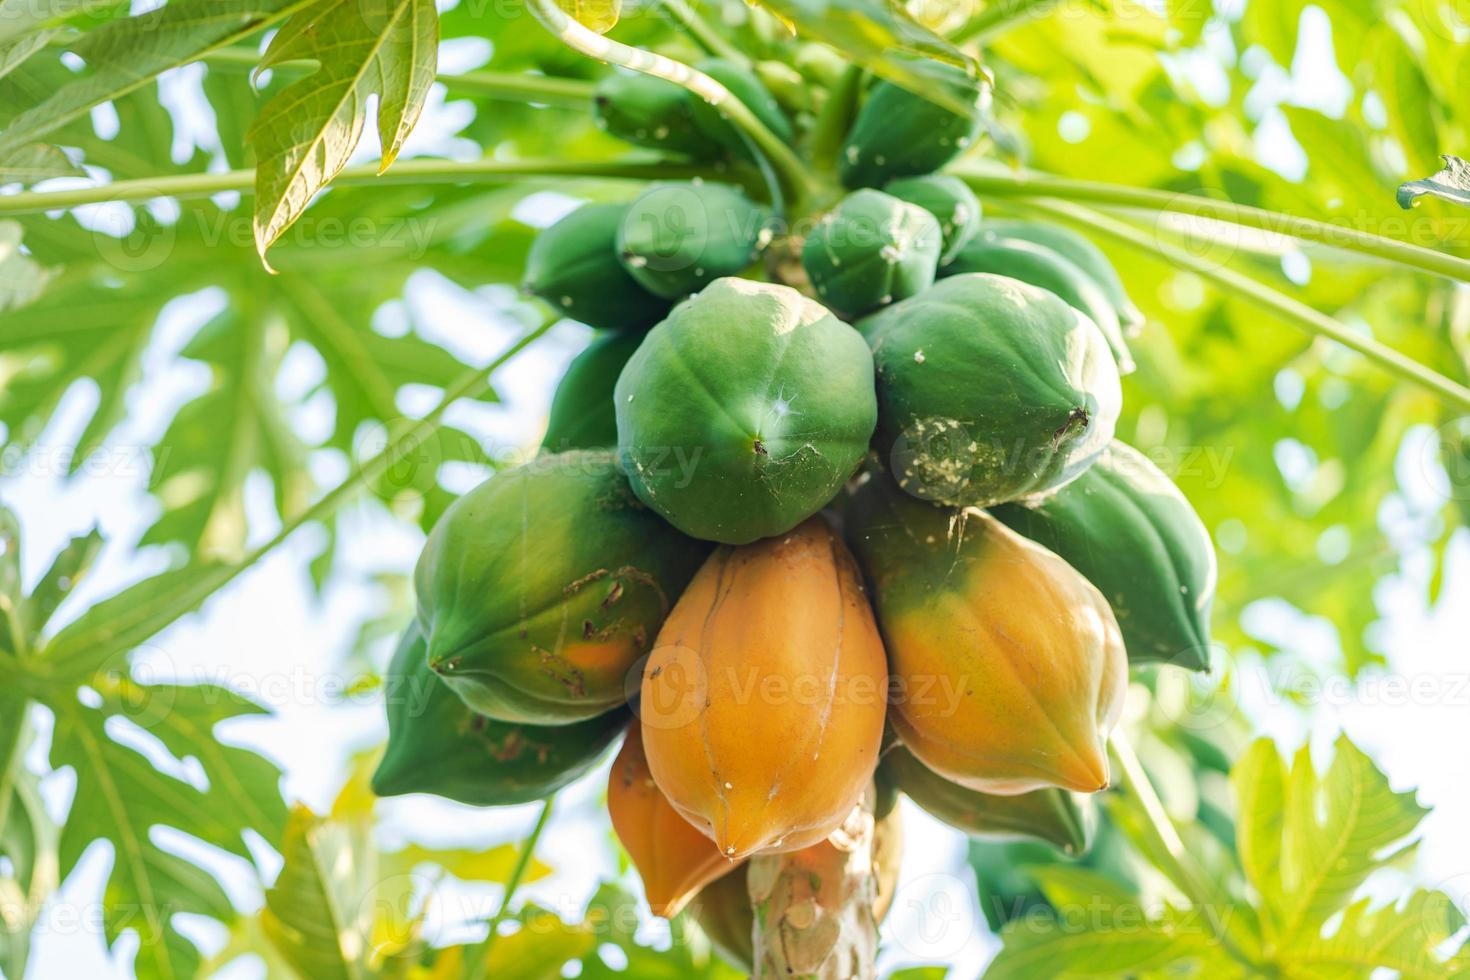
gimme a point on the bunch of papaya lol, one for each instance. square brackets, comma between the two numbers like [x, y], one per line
[830, 506]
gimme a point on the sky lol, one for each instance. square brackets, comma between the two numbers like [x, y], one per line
[267, 634]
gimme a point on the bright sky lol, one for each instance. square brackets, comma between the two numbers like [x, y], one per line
[267, 634]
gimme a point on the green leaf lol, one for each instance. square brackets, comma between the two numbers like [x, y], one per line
[34, 162]
[1451, 184]
[126, 53]
[314, 913]
[68, 568]
[304, 136]
[493, 865]
[1401, 938]
[22, 17]
[28, 840]
[22, 279]
[14, 53]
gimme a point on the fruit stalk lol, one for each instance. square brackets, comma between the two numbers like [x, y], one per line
[814, 907]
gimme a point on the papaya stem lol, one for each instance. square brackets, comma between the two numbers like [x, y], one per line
[703, 34]
[512, 885]
[567, 93]
[835, 118]
[788, 166]
[997, 183]
[404, 172]
[1301, 315]
[86, 651]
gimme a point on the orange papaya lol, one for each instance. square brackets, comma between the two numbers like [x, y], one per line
[673, 858]
[776, 633]
[1008, 666]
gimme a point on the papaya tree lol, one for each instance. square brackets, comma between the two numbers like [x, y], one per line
[958, 385]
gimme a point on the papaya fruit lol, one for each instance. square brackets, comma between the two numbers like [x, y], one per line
[1126, 527]
[1053, 816]
[871, 250]
[723, 908]
[649, 111]
[746, 86]
[900, 134]
[574, 266]
[951, 202]
[1081, 252]
[438, 745]
[948, 431]
[678, 237]
[745, 411]
[581, 415]
[1008, 670]
[673, 859]
[1042, 267]
[776, 634]
[541, 588]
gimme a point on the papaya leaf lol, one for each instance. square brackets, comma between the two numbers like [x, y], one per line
[1398, 937]
[595, 15]
[28, 840]
[1451, 184]
[127, 53]
[539, 950]
[13, 53]
[304, 136]
[122, 796]
[22, 279]
[67, 569]
[882, 37]
[493, 865]
[19, 18]
[35, 162]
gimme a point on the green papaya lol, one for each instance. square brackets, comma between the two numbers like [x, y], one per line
[948, 431]
[574, 266]
[676, 238]
[950, 200]
[1082, 253]
[746, 86]
[582, 409]
[871, 250]
[437, 744]
[541, 588]
[649, 111]
[1126, 527]
[1055, 816]
[1040, 266]
[900, 134]
[745, 411]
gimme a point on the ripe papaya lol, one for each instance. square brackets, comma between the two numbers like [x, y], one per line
[1126, 527]
[581, 414]
[1081, 252]
[674, 860]
[1042, 267]
[900, 134]
[745, 411]
[871, 250]
[539, 589]
[574, 266]
[648, 111]
[1054, 816]
[776, 634]
[678, 237]
[949, 432]
[436, 744]
[723, 908]
[1008, 667]
[950, 200]
[746, 86]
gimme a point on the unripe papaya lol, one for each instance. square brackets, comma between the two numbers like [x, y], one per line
[541, 588]
[778, 635]
[649, 111]
[1055, 816]
[746, 86]
[744, 412]
[1008, 667]
[723, 909]
[900, 134]
[1042, 267]
[871, 250]
[436, 744]
[581, 414]
[574, 266]
[674, 860]
[1082, 253]
[1126, 527]
[950, 200]
[949, 431]
[678, 237]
